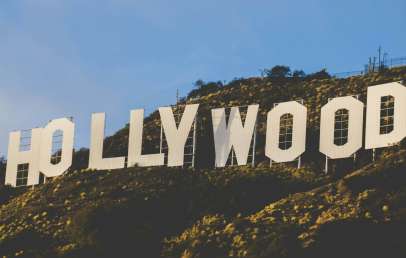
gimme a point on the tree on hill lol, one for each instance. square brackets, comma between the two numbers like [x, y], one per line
[202, 88]
[298, 74]
[320, 75]
[277, 72]
[199, 84]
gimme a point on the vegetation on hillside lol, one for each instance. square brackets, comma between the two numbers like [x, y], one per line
[265, 91]
[357, 210]
[114, 212]
[360, 215]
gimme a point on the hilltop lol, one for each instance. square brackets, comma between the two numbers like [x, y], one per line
[314, 91]
[245, 211]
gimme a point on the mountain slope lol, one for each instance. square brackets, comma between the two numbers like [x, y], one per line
[361, 215]
[265, 92]
[111, 211]
[233, 212]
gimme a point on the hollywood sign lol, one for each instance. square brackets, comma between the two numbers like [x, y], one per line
[228, 135]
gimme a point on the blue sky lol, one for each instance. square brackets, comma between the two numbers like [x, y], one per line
[73, 57]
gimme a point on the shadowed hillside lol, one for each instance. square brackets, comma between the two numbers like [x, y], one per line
[314, 90]
[115, 211]
[361, 215]
[357, 210]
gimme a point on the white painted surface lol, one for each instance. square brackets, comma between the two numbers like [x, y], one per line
[233, 134]
[68, 129]
[355, 126]
[373, 138]
[176, 136]
[135, 156]
[96, 160]
[16, 157]
[272, 149]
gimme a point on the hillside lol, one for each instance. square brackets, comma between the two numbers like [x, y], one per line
[116, 211]
[265, 92]
[361, 215]
[232, 212]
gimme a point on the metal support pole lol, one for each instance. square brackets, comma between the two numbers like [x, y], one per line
[194, 144]
[326, 166]
[299, 162]
[253, 146]
[160, 141]
[373, 154]
[232, 157]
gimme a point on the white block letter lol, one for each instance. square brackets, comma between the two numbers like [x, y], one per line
[177, 136]
[96, 160]
[68, 129]
[233, 135]
[355, 110]
[17, 157]
[272, 149]
[374, 138]
[135, 143]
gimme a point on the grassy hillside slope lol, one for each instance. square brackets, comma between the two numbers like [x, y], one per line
[233, 212]
[360, 215]
[113, 212]
[265, 92]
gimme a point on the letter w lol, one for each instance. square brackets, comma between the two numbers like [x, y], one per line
[233, 135]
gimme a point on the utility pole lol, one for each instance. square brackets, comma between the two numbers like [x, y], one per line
[385, 58]
[373, 64]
